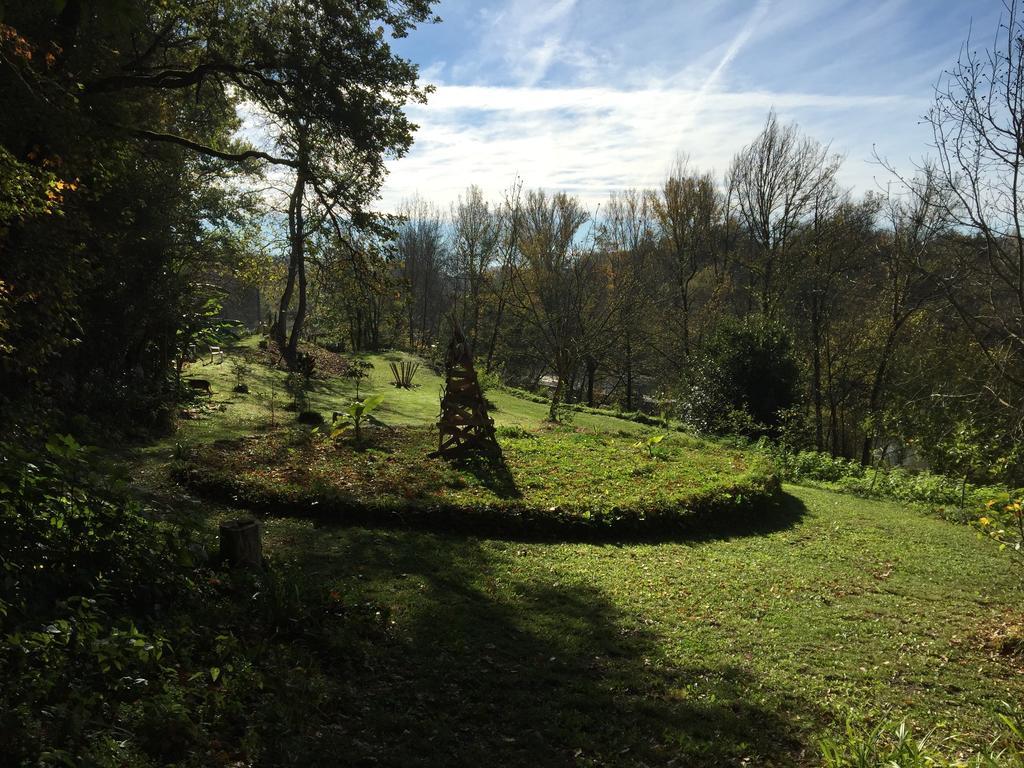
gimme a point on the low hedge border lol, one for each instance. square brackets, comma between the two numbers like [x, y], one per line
[639, 417]
[744, 505]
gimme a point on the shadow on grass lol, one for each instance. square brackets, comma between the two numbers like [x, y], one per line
[487, 662]
[493, 473]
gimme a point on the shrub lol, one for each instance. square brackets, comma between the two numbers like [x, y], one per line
[743, 380]
[515, 432]
[297, 386]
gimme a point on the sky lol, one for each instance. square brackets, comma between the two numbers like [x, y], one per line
[591, 96]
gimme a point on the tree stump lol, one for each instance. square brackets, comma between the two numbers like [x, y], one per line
[240, 544]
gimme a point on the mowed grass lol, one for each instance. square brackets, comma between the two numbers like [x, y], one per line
[597, 472]
[740, 645]
[421, 405]
[732, 649]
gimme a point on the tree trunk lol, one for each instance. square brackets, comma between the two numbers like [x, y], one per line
[819, 436]
[629, 375]
[591, 370]
[286, 342]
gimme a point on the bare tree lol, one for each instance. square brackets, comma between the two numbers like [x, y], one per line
[978, 127]
[510, 223]
[907, 254]
[475, 237]
[688, 210]
[628, 242]
[772, 187]
[420, 246]
[548, 281]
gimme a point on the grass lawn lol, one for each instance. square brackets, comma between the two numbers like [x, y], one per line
[735, 649]
[420, 405]
[741, 645]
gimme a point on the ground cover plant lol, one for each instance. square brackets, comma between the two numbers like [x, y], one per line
[752, 641]
[552, 479]
[742, 646]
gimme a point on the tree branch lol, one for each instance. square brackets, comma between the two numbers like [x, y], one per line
[235, 157]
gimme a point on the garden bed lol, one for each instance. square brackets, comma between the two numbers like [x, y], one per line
[555, 482]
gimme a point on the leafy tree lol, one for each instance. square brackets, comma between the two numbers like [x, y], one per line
[745, 379]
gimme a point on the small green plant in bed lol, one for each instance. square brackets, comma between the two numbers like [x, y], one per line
[354, 415]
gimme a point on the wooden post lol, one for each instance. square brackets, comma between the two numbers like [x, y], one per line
[240, 544]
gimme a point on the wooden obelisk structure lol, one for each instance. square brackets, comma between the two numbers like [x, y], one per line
[464, 424]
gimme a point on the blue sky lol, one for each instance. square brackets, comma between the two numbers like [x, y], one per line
[589, 96]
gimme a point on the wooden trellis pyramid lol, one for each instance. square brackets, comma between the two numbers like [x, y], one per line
[464, 424]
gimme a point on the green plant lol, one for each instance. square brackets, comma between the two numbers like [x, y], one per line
[881, 746]
[297, 386]
[891, 745]
[356, 371]
[744, 380]
[652, 444]
[514, 432]
[1003, 522]
[403, 373]
[491, 381]
[353, 416]
[240, 369]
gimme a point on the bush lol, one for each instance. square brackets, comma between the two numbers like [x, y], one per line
[744, 379]
[116, 649]
[955, 499]
[514, 433]
[76, 565]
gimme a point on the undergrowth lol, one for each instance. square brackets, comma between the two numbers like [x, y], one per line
[121, 645]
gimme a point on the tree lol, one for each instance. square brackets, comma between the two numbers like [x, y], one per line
[906, 254]
[977, 123]
[476, 232]
[320, 75]
[834, 248]
[773, 184]
[549, 280]
[420, 246]
[627, 238]
[688, 210]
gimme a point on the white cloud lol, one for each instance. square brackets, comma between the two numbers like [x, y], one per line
[524, 39]
[592, 140]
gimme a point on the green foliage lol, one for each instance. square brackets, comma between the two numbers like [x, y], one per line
[881, 482]
[119, 647]
[299, 382]
[890, 745]
[1003, 523]
[562, 482]
[356, 371]
[744, 380]
[354, 415]
[241, 370]
[74, 562]
[491, 381]
[403, 373]
[651, 444]
[514, 432]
